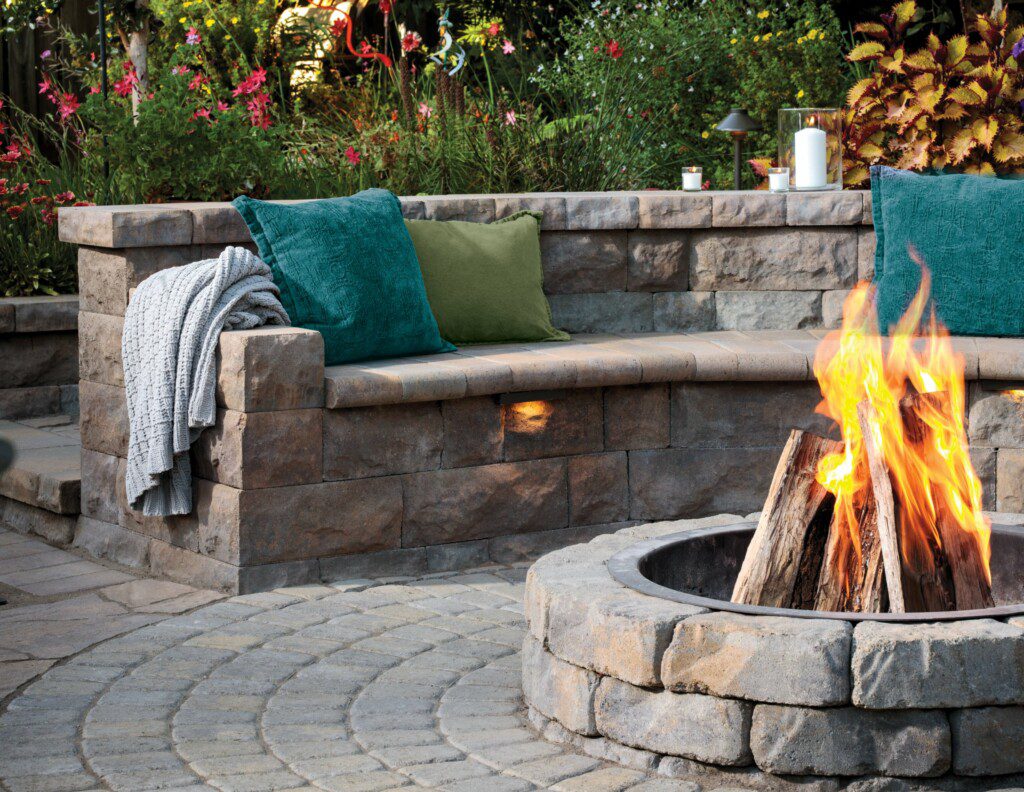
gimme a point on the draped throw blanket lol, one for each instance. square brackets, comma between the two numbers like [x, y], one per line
[169, 350]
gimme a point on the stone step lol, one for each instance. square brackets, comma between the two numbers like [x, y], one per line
[46, 472]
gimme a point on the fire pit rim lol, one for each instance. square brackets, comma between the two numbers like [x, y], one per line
[625, 567]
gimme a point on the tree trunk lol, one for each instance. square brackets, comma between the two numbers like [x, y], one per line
[138, 53]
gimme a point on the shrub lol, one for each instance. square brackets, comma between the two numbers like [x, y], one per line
[952, 104]
[676, 67]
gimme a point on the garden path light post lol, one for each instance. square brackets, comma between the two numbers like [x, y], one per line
[738, 123]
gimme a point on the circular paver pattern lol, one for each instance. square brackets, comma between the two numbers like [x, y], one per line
[357, 687]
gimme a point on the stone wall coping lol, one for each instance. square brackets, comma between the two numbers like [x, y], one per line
[159, 225]
[41, 314]
[589, 361]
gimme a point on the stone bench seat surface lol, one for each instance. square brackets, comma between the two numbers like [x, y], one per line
[589, 361]
[157, 225]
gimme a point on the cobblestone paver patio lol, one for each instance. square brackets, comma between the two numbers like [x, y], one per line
[364, 685]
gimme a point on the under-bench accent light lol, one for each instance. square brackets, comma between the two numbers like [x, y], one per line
[530, 396]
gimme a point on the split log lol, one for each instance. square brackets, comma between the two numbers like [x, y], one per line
[783, 562]
[944, 569]
[859, 580]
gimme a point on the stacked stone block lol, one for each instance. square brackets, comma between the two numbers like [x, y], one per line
[767, 696]
[412, 465]
[38, 356]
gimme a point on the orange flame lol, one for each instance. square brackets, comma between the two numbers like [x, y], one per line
[930, 477]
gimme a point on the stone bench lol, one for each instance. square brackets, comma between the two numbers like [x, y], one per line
[497, 453]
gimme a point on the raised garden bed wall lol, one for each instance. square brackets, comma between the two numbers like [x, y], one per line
[38, 356]
[401, 467]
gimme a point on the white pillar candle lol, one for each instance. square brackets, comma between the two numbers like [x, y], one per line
[810, 158]
[691, 178]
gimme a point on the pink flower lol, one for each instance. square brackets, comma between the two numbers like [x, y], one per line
[14, 212]
[385, 6]
[181, 70]
[197, 82]
[202, 112]
[124, 86]
[493, 29]
[64, 197]
[45, 54]
[507, 47]
[252, 83]
[258, 107]
[46, 85]
[425, 110]
[222, 105]
[95, 89]
[614, 49]
[192, 37]
[411, 41]
[510, 118]
[67, 105]
[352, 155]
[338, 26]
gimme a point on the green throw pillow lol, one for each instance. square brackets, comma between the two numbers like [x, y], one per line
[347, 268]
[484, 281]
[968, 230]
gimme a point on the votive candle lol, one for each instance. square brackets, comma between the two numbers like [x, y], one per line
[692, 178]
[778, 179]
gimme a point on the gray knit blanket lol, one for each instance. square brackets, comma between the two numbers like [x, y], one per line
[169, 349]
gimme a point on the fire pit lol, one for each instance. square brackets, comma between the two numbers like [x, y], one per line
[634, 644]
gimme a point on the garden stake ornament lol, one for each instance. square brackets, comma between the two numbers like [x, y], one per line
[346, 23]
[441, 56]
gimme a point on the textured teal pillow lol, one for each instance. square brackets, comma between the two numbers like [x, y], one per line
[969, 230]
[347, 268]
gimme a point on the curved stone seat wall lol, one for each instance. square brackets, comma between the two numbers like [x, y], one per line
[412, 465]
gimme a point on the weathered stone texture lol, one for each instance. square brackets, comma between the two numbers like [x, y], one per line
[843, 207]
[560, 427]
[866, 244]
[262, 449]
[984, 462]
[43, 313]
[611, 312]
[103, 418]
[636, 417]
[469, 208]
[743, 414]
[583, 261]
[772, 310]
[112, 542]
[988, 741]
[658, 261]
[179, 564]
[99, 348]
[704, 728]
[481, 502]
[674, 209]
[773, 260]
[474, 432]
[688, 312]
[605, 211]
[270, 368]
[120, 226]
[558, 689]
[551, 206]
[30, 402]
[332, 518]
[99, 486]
[619, 633]
[738, 209]
[106, 276]
[36, 359]
[995, 419]
[598, 489]
[1010, 480]
[849, 741]
[380, 441]
[716, 480]
[832, 307]
[761, 658]
[950, 664]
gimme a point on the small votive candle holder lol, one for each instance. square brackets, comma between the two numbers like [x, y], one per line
[778, 180]
[692, 178]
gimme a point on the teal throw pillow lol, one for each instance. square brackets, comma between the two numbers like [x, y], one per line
[346, 267]
[968, 230]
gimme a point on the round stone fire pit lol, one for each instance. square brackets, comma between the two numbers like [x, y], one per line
[633, 646]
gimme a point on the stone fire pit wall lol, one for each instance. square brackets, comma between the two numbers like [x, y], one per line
[401, 467]
[660, 684]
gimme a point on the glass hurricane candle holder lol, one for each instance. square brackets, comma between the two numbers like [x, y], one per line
[692, 178]
[811, 146]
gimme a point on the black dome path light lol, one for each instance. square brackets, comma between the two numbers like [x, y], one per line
[738, 124]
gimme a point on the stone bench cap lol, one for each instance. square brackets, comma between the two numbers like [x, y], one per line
[42, 314]
[605, 360]
[159, 225]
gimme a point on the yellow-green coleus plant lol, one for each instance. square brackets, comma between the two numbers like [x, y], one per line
[953, 105]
